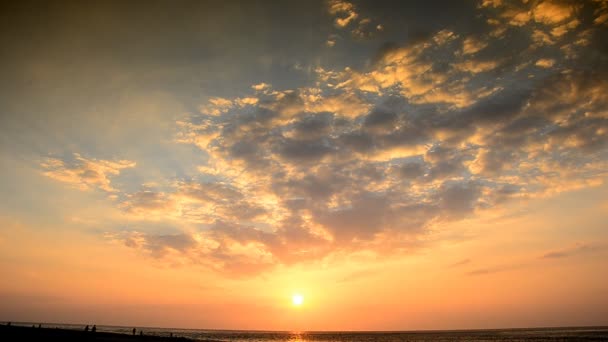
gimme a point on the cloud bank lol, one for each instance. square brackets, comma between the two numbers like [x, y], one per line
[373, 158]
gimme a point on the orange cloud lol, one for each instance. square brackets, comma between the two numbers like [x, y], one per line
[471, 45]
[550, 12]
[85, 174]
[344, 10]
[545, 62]
[476, 66]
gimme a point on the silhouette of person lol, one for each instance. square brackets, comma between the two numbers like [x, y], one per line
[141, 333]
[8, 324]
[170, 334]
[133, 331]
[39, 326]
[94, 329]
[86, 328]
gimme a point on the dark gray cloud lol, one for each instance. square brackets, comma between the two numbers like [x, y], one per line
[412, 169]
[380, 121]
[313, 126]
[458, 198]
[317, 186]
[367, 215]
[303, 151]
[357, 141]
[159, 245]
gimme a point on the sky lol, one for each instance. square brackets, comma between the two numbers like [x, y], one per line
[400, 165]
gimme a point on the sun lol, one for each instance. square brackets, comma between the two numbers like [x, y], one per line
[297, 299]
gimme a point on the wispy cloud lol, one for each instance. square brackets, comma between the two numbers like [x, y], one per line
[572, 251]
[460, 263]
[344, 11]
[85, 173]
[492, 270]
[346, 14]
[577, 250]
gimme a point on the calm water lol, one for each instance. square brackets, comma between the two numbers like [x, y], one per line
[539, 334]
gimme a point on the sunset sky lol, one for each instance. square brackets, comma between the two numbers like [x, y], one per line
[400, 165]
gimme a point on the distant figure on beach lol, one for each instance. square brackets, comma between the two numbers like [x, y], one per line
[141, 333]
[39, 326]
[94, 329]
[8, 324]
[86, 328]
[133, 331]
[170, 334]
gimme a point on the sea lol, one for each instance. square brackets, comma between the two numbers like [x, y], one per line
[524, 334]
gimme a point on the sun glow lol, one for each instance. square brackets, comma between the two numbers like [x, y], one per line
[297, 299]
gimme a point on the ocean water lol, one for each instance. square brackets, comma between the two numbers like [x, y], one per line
[532, 334]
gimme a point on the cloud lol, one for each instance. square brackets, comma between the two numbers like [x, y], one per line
[84, 173]
[218, 105]
[421, 73]
[548, 22]
[344, 10]
[572, 251]
[373, 157]
[444, 36]
[369, 157]
[491, 3]
[366, 29]
[174, 249]
[546, 12]
[601, 13]
[160, 244]
[578, 249]
[542, 38]
[476, 66]
[472, 45]
[195, 202]
[149, 204]
[492, 270]
[303, 151]
[261, 86]
[232, 249]
[553, 12]
[545, 63]
[345, 14]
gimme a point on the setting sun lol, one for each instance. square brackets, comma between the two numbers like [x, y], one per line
[297, 299]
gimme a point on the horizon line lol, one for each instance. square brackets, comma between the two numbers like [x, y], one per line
[577, 327]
